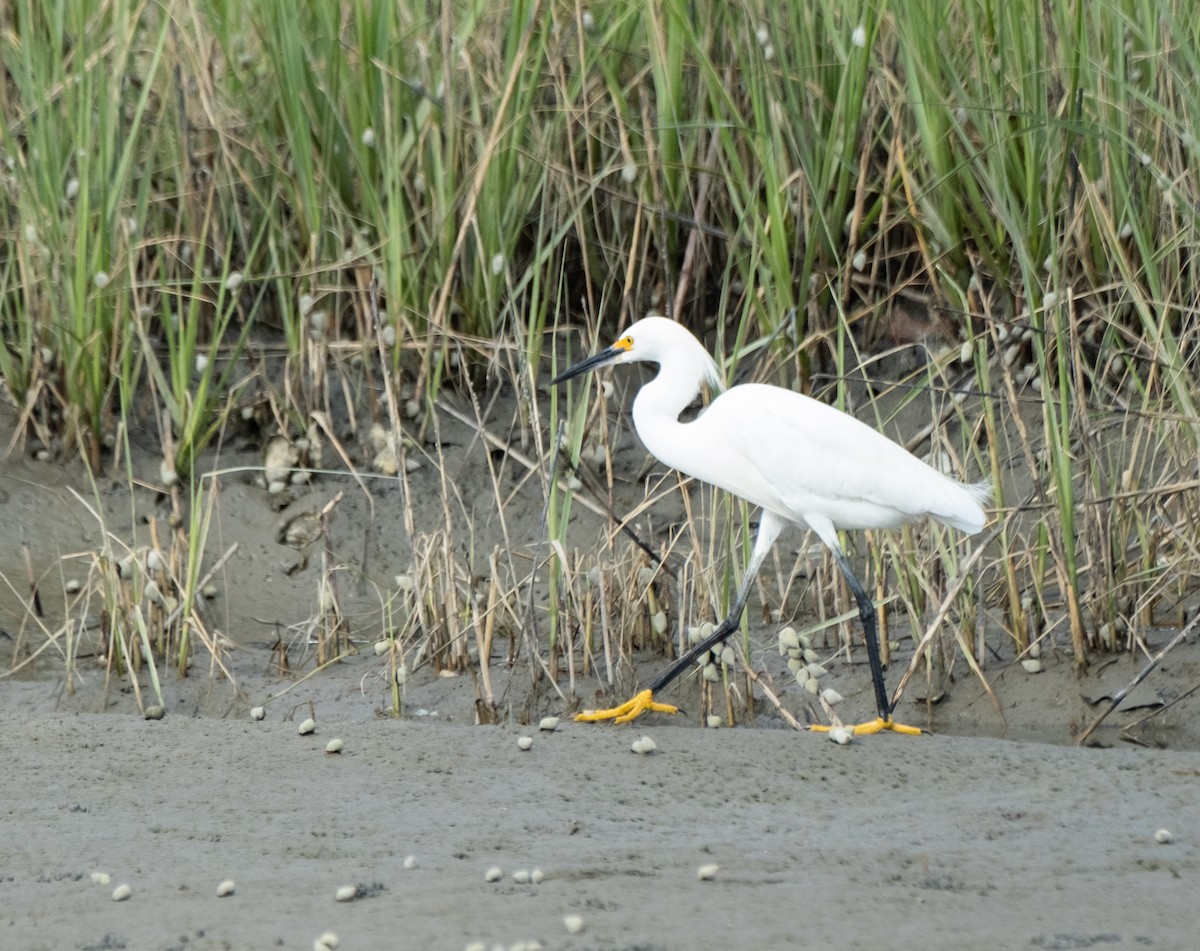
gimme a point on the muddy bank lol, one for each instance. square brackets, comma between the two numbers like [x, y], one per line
[934, 842]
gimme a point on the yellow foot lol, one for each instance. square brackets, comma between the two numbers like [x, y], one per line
[629, 710]
[878, 725]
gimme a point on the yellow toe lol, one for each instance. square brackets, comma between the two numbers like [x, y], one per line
[878, 725]
[629, 710]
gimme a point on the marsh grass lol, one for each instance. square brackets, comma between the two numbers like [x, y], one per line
[973, 225]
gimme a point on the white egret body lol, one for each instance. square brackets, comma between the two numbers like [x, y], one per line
[802, 461]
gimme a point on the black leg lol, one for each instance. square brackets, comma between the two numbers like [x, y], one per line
[866, 612]
[769, 527]
[727, 627]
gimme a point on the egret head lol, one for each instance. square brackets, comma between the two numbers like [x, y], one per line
[653, 340]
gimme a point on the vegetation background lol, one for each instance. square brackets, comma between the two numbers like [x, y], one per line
[340, 225]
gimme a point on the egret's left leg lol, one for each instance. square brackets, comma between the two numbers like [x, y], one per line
[866, 612]
[769, 527]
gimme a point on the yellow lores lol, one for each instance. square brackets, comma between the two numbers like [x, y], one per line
[805, 463]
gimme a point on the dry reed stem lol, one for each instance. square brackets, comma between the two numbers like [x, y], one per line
[1141, 675]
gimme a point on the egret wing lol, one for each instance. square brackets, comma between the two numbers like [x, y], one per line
[798, 457]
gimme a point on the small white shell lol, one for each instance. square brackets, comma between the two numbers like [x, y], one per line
[121, 893]
[308, 726]
[326, 942]
[573, 923]
[225, 888]
[659, 622]
[345, 893]
[831, 696]
[101, 878]
[812, 685]
[816, 671]
[706, 873]
[524, 742]
[493, 874]
[258, 713]
[1163, 837]
[840, 735]
[334, 746]
[713, 721]
[549, 724]
[410, 862]
[789, 640]
[382, 647]
[711, 674]
[1032, 665]
[537, 876]
[521, 876]
[645, 746]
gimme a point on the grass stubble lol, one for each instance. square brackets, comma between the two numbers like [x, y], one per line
[341, 227]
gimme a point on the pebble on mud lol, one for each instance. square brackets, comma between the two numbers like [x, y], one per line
[1163, 837]
[225, 888]
[706, 873]
[154, 713]
[524, 742]
[258, 713]
[101, 878]
[326, 942]
[840, 735]
[645, 746]
[573, 923]
[537, 876]
[549, 724]
[121, 893]
[308, 726]
[345, 893]
[334, 746]
[521, 876]
[493, 874]
[410, 862]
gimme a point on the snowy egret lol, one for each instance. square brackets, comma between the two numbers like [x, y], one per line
[802, 461]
